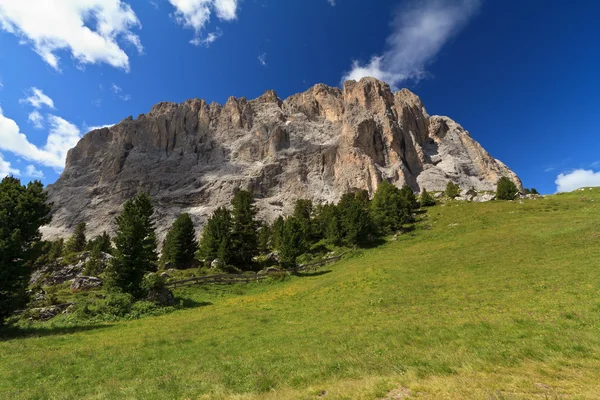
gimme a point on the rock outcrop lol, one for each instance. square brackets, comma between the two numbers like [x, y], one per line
[192, 157]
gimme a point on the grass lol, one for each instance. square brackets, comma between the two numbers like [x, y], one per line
[498, 300]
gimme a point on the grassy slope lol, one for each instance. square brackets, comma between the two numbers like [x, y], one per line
[497, 300]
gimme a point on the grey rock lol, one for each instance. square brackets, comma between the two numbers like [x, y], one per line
[161, 297]
[86, 283]
[57, 272]
[192, 157]
[217, 264]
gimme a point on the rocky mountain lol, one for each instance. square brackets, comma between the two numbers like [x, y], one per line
[192, 157]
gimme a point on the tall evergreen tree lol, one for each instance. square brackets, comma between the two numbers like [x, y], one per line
[264, 238]
[293, 243]
[180, 245]
[408, 198]
[215, 242]
[135, 246]
[303, 210]
[392, 207]
[355, 219]
[23, 209]
[277, 232]
[101, 243]
[77, 242]
[328, 223]
[244, 238]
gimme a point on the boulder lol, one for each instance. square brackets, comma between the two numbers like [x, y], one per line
[161, 296]
[217, 264]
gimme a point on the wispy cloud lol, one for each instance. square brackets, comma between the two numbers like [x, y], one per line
[331, 3]
[91, 30]
[32, 172]
[119, 93]
[37, 99]
[262, 59]
[6, 169]
[208, 40]
[420, 30]
[36, 119]
[195, 14]
[567, 182]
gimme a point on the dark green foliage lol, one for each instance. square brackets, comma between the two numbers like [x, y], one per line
[452, 190]
[277, 232]
[244, 238]
[391, 207]
[135, 243]
[180, 244]
[531, 191]
[506, 189]
[77, 242]
[101, 243]
[215, 242]
[56, 249]
[93, 266]
[293, 243]
[264, 238]
[303, 210]
[23, 210]
[327, 223]
[354, 219]
[427, 199]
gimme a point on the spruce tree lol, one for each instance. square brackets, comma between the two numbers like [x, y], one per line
[506, 189]
[135, 246]
[215, 242]
[244, 238]
[101, 243]
[23, 209]
[303, 210]
[77, 242]
[392, 207]
[277, 232]
[180, 245]
[427, 199]
[264, 238]
[355, 219]
[293, 243]
[328, 223]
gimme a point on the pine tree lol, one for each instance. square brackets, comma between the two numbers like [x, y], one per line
[328, 223]
[277, 232]
[215, 242]
[452, 190]
[293, 243]
[427, 199]
[264, 238]
[101, 243]
[23, 209]
[135, 246]
[77, 242]
[506, 189]
[392, 207]
[244, 239]
[303, 210]
[180, 245]
[355, 219]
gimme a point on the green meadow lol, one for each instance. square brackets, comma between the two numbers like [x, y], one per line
[498, 300]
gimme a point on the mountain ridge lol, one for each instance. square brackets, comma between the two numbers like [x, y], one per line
[319, 144]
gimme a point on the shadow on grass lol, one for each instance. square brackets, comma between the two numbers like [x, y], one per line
[315, 273]
[190, 303]
[373, 243]
[12, 332]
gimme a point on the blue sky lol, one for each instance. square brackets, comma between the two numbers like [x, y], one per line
[521, 76]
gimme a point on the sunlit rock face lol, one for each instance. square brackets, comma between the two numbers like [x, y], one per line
[192, 157]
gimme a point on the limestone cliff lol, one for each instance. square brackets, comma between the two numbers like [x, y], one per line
[191, 157]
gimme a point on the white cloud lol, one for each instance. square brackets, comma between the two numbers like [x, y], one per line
[89, 29]
[116, 89]
[262, 59]
[36, 119]
[5, 168]
[38, 99]
[577, 179]
[93, 128]
[208, 40]
[195, 14]
[62, 136]
[31, 172]
[419, 32]
[331, 3]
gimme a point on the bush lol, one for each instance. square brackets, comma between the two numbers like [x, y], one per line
[506, 189]
[153, 282]
[452, 190]
[116, 304]
[427, 199]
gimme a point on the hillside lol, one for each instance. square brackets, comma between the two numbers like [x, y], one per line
[497, 300]
[192, 157]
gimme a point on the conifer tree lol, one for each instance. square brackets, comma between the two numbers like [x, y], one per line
[23, 209]
[355, 219]
[427, 199]
[277, 232]
[244, 238]
[293, 243]
[77, 242]
[506, 189]
[264, 238]
[135, 246]
[101, 243]
[180, 245]
[215, 242]
[303, 210]
[328, 223]
[452, 190]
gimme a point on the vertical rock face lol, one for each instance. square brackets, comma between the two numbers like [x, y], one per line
[192, 157]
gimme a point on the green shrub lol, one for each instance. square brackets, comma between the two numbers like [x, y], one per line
[506, 189]
[116, 304]
[427, 199]
[452, 190]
